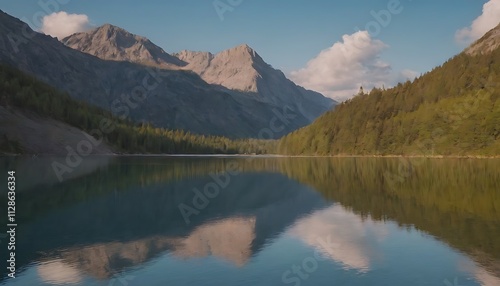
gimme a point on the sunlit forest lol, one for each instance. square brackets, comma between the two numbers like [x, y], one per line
[452, 110]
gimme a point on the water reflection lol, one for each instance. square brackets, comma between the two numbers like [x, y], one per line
[484, 277]
[58, 272]
[342, 236]
[121, 215]
[230, 239]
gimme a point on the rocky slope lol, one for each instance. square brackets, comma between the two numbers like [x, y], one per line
[233, 68]
[487, 44]
[109, 42]
[242, 69]
[38, 135]
[173, 99]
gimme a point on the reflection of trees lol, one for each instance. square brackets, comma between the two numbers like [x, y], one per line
[467, 186]
[455, 200]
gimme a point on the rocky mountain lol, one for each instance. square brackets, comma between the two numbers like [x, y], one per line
[198, 61]
[242, 69]
[109, 42]
[169, 98]
[233, 68]
[239, 69]
[488, 43]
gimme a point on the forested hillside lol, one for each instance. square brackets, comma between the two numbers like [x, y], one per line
[28, 94]
[452, 110]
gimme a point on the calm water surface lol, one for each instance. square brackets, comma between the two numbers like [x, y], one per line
[261, 221]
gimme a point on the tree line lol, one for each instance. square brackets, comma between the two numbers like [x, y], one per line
[27, 93]
[452, 110]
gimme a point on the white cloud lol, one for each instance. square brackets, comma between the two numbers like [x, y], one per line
[488, 20]
[62, 24]
[340, 70]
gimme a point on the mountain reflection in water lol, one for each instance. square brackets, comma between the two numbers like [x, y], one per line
[121, 216]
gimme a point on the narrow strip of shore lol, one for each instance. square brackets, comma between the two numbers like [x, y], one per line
[33, 156]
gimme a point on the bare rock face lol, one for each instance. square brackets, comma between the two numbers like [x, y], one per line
[109, 42]
[487, 44]
[242, 69]
[198, 61]
[233, 68]
[239, 69]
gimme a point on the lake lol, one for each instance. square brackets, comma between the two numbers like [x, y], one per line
[127, 221]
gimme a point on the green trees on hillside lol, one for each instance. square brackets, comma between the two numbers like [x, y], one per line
[452, 110]
[29, 94]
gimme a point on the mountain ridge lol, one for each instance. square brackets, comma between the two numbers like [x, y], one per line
[110, 42]
[239, 70]
[166, 98]
[242, 69]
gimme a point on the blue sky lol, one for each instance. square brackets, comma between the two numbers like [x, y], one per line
[286, 33]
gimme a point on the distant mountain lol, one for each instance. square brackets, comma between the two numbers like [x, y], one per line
[165, 97]
[238, 69]
[452, 110]
[487, 44]
[242, 69]
[233, 68]
[197, 61]
[109, 42]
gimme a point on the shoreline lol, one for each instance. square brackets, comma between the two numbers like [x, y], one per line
[264, 156]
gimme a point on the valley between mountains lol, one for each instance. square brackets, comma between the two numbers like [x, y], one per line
[124, 94]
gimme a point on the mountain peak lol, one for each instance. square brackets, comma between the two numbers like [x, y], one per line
[112, 28]
[110, 42]
[115, 31]
[487, 44]
[242, 49]
[233, 68]
[242, 69]
[109, 26]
